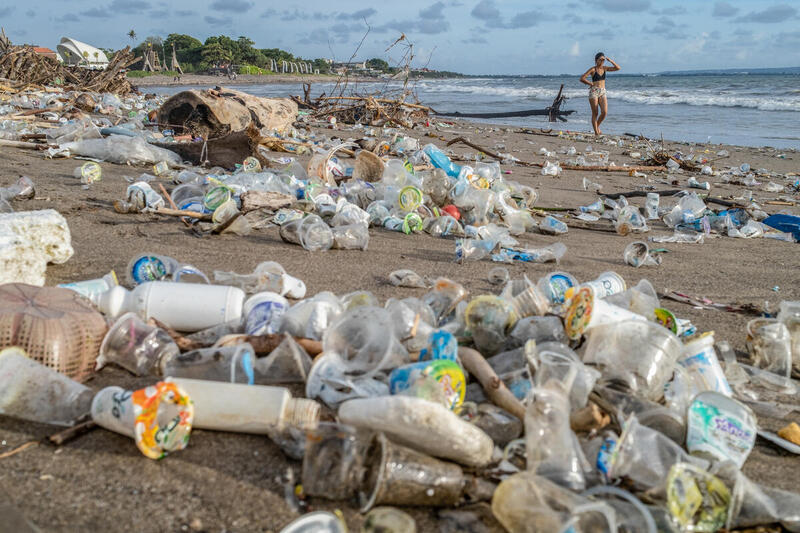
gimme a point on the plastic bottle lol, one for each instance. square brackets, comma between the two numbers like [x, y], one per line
[92, 288]
[241, 408]
[422, 425]
[31, 391]
[651, 206]
[181, 306]
[440, 160]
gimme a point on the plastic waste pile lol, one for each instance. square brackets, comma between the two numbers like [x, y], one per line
[568, 405]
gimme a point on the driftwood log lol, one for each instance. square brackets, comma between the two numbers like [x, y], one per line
[492, 385]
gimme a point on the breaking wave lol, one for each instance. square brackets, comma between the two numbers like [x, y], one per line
[789, 101]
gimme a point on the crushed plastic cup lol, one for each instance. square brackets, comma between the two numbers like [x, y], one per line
[267, 276]
[555, 285]
[150, 267]
[232, 364]
[639, 353]
[557, 361]
[720, 428]
[314, 235]
[498, 276]
[696, 500]
[642, 299]
[396, 475]
[135, 346]
[31, 391]
[159, 418]
[318, 521]
[702, 366]
[407, 278]
[388, 520]
[651, 206]
[552, 449]
[637, 254]
[789, 314]
[630, 220]
[552, 226]
[351, 237]
[215, 197]
[264, 313]
[90, 172]
[288, 363]
[770, 345]
[333, 463]
[488, 318]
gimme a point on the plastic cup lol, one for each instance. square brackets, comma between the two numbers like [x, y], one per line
[396, 475]
[530, 302]
[135, 346]
[186, 191]
[720, 428]
[31, 391]
[488, 317]
[587, 311]
[555, 286]
[607, 283]
[232, 364]
[314, 234]
[150, 267]
[159, 418]
[769, 344]
[702, 365]
[333, 464]
[446, 375]
[638, 353]
[263, 312]
[388, 519]
[316, 522]
[637, 254]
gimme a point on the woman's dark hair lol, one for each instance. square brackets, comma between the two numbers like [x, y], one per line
[598, 55]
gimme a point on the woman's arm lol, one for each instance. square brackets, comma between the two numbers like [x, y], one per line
[585, 74]
[614, 68]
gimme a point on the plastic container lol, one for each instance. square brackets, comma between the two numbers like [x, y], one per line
[558, 361]
[181, 306]
[247, 408]
[92, 288]
[396, 475]
[637, 254]
[158, 418]
[288, 363]
[443, 375]
[770, 345]
[606, 284]
[150, 267]
[56, 327]
[263, 313]
[488, 317]
[267, 276]
[31, 391]
[232, 364]
[702, 365]
[587, 311]
[135, 346]
[555, 285]
[721, 428]
[639, 353]
[423, 425]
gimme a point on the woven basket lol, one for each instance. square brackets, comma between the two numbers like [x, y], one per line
[56, 327]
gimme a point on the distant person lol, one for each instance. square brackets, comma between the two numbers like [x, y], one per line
[597, 88]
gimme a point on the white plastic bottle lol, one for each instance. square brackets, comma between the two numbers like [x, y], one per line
[246, 408]
[181, 306]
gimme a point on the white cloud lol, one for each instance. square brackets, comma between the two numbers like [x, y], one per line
[575, 51]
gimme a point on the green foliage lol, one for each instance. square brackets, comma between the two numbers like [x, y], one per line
[215, 53]
[378, 64]
[145, 74]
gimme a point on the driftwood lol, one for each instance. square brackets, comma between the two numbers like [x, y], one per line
[492, 385]
[369, 110]
[23, 68]
[252, 200]
[182, 213]
[553, 112]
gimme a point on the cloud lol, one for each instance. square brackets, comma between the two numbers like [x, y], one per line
[575, 50]
[96, 12]
[674, 10]
[724, 9]
[128, 6]
[160, 14]
[184, 13]
[572, 18]
[6, 11]
[218, 21]
[30, 13]
[487, 12]
[475, 40]
[773, 14]
[434, 11]
[231, 5]
[666, 27]
[70, 17]
[357, 15]
[623, 5]
[430, 21]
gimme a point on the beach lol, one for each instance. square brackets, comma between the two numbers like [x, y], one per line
[236, 482]
[205, 80]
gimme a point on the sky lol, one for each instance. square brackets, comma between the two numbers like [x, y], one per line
[469, 36]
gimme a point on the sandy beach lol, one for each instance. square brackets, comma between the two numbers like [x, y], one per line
[235, 482]
[241, 79]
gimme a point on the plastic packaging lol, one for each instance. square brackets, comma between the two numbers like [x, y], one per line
[720, 428]
[181, 306]
[554, 360]
[92, 288]
[423, 425]
[586, 311]
[232, 364]
[31, 391]
[639, 353]
[552, 226]
[158, 418]
[264, 312]
[247, 408]
[702, 365]
[333, 463]
[440, 160]
[122, 150]
[651, 206]
[488, 317]
[267, 276]
[438, 380]
[135, 346]
[637, 254]
[696, 500]
[551, 447]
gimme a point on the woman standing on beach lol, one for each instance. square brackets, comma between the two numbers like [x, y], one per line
[597, 88]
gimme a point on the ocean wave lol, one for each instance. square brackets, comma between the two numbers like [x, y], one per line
[655, 96]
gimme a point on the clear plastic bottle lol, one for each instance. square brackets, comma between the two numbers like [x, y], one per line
[233, 364]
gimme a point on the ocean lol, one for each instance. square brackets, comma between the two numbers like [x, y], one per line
[741, 109]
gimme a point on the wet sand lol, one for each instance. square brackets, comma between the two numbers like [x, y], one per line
[233, 482]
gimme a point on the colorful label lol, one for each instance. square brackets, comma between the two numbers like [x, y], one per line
[265, 317]
[443, 345]
[721, 427]
[666, 319]
[558, 284]
[604, 456]
[251, 164]
[696, 500]
[153, 440]
[579, 313]
[447, 373]
[607, 284]
[148, 268]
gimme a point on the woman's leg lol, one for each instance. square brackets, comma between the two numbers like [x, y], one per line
[593, 105]
[603, 103]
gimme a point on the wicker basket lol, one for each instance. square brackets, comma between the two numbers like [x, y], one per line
[56, 327]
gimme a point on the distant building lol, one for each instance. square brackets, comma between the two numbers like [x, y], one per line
[74, 52]
[46, 52]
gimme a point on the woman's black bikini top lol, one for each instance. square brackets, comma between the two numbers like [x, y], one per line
[595, 77]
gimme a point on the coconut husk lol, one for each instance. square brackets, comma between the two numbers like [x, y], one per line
[368, 167]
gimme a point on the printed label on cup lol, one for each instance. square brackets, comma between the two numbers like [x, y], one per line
[720, 426]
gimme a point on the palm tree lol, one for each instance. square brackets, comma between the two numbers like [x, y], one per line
[132, 36]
